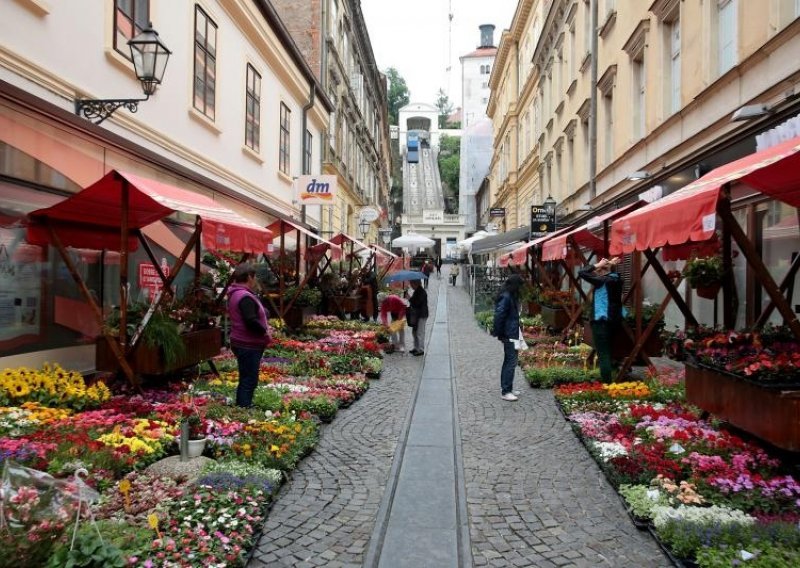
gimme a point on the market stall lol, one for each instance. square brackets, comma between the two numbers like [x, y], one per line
[109, 215]
[690, 216]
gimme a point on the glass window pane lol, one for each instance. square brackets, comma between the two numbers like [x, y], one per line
[142, 13]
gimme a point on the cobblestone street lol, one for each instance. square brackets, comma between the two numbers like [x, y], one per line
[534, 497]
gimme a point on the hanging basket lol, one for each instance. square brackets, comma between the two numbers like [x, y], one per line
[708, 291]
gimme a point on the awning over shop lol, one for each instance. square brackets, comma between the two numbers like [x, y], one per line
[343, 238]
[690, 213]
[92, 217]
[282, 226]
[518, 256]
[495, 242]
[558, 247]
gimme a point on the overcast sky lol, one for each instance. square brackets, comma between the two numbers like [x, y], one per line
[412, 36]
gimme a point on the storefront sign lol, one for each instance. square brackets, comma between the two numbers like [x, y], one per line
[497, 212]
[315, 190]
[149, 278]
[368, 214]
[543, 220]
[432, 216]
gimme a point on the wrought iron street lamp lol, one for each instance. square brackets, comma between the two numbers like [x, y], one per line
[550, 206]
[149, 56]
[363, 226]
[386, 235]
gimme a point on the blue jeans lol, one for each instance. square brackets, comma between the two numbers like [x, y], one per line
[510, 356]
[249, 363]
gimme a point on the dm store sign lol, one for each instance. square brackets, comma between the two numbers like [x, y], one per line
[315, 190]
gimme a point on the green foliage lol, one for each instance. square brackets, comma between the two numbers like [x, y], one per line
[308, 297]
[89, 551]
[704, 271]
[162, 332]
[766, 555]
[548, 377]
[444, 106]
[450, 163]
[485, 319]
[639, 502]
[325, 408]
[397, 95]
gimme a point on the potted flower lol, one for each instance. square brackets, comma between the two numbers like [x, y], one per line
[197, 436]
[529, 294]
[705, 275]
[305, 305]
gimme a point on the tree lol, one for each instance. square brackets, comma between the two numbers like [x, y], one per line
[450, 165]
[445, 107]
[398, 95]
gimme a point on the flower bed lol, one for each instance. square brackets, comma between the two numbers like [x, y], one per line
[710, 497]
[52, 421]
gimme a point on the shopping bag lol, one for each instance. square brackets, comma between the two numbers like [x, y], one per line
[397, 326]
[519, 343]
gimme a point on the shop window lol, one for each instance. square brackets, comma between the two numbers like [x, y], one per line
[205, 63]
[18, 165]
[131, 17]
[307, 154]
[284, 145]
[252, 125]
[779, 245]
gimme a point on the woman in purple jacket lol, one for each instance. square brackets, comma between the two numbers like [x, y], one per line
[249, 331]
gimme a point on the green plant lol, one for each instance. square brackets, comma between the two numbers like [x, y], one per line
[547, 377]
[704, 271]
[641, 500]
[649, 311]
[89, 551]
[308, 296]
[162, 332]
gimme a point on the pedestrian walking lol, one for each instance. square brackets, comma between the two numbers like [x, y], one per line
[393, 310]
[606, 315]
[427, 270]
[438, 265]
[417, 316]
[454, 271]
[506, 329]
[250, 332]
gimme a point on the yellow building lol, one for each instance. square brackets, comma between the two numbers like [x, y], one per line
[670, 76]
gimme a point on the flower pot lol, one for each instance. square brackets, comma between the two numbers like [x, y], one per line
[767, 413]
[709, 291]
[195, 447]
[297, 316]
[534, 308]
[555, 318]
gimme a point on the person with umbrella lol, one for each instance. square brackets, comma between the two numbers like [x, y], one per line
[417, 316]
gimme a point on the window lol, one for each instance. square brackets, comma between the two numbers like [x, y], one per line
[573, 55]
[130, 18]
[639, 88]
[608, 127]
[675, 65]
[283, 147]
[570, 165]
[205, 62]
[252, 118]
[726, 34]
[585, 129]
[488, 69]
[307, 153]
[587, 28]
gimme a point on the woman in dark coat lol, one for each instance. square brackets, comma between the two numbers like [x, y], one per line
[419, 304]
[506, 329]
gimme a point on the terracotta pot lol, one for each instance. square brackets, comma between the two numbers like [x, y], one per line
[709, 292]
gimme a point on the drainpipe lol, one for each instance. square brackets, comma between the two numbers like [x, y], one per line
[593, 106]
[311, 98]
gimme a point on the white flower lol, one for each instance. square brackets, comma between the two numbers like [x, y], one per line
[714, 515]
[608, 450]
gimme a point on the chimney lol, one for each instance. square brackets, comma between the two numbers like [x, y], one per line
[487, 35]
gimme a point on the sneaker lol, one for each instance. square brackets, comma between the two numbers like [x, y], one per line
[510, 396]
[418, 353]
[516, 393]
[401, 350]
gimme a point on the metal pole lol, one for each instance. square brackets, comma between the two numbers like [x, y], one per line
[593, 105]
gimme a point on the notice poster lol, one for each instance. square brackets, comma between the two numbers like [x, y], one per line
[20, 285]
[149, 280]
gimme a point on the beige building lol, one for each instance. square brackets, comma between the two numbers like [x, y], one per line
[670, 76]
[239, 114]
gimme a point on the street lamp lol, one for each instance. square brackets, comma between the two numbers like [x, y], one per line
[363, 227]
[149, 56]
[386, 235]
[550, 206]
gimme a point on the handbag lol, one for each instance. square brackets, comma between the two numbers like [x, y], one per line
[412, 317]
[519, 343]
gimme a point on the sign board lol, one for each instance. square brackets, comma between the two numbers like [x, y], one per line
[653, 194]
[543, 220]
[368, 214]
[315, 190]
[149, 278]
[497, 212]
[432, 216]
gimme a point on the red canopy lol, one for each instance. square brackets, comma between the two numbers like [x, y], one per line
[557, 247]
[92, 217]
[690, 213]
[518, 255]
[342, 238]
[282, 226]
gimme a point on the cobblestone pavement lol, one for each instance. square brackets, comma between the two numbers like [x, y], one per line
[325, 514]
[535, 497]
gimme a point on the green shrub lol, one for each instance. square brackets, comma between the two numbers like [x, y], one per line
[548, 377]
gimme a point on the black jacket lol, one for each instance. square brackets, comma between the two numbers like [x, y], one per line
[506, 317]
[419, 301]
[608, 285]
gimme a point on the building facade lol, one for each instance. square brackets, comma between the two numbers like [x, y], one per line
[239, 114]
[334, 38]
[670, 76]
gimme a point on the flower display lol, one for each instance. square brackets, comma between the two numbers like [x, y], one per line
[51, 386]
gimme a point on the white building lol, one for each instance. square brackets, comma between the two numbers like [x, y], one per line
[238, 115]
[475, 70]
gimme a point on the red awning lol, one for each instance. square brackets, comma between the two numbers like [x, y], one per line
[518, 255]
[342, 238]
[91, 218]
[690, 213]
[557, 247]
[282, 226]
[383, 252]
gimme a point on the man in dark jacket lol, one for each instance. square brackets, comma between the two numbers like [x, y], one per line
[419, 304]
[606, 313]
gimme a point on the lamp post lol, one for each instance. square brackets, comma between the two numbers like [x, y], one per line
[550, 206]
[149, 56]
[363, 227]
